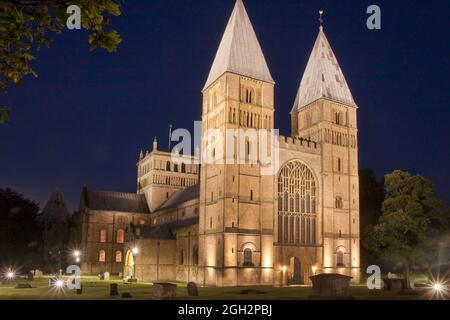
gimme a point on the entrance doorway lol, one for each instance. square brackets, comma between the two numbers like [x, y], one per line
[295, 272]
[129, 266]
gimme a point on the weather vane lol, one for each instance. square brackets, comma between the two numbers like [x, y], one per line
[321, 18]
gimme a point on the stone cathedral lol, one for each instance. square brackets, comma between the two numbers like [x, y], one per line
[222, 224]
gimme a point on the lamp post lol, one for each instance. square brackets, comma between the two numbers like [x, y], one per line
[284, 276]
[77, 255]
[314, 269]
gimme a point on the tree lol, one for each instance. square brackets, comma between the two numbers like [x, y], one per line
[371, 197]
[412, 225]
[20, 232]
[27, 25]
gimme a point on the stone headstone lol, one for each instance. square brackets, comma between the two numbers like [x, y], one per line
[164, 291]
[106, 276]
[126, 295]
[331, 287]
[392, 275]
[23, 286]
[30, 276]
[395, 284]
[38, 273]
[113, 289]
[101, 276]
[192, 289]
[120, 274]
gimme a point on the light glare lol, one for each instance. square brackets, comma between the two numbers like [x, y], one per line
[438, 287]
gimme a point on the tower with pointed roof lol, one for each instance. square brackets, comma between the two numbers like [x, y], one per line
[325, 111]
[55, 218]
[234, 199]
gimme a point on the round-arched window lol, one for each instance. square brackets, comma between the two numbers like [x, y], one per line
[248, 257]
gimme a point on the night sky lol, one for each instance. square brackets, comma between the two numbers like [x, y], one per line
[87, 116]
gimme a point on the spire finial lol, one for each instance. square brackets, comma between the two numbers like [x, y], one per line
[155, 144]
[321, 19]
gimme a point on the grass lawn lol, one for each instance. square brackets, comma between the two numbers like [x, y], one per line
[93, 289]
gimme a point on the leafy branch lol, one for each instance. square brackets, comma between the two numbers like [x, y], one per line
[29, 25]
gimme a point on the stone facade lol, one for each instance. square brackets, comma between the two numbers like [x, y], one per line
[101, 225]
[220, 224]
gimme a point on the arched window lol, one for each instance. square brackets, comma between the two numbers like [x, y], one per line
[141, 221]
[249, 96]
[118, 256]
[195, 256]
[339, 203]
[248, 257]
[168, 166]
[340, 259]
[103, 236]
[183, 167]
[102, 256]
[296, 204]
[175, 168]
[120, 236]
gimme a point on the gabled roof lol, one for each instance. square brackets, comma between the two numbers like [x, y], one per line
[323, 77]
[165, 231]
[114, 201]
[239, 51]
[184, 195]
[55, 211]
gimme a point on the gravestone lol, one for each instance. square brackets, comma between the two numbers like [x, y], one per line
[395, 284]
[126, 295]
[392, 275]
[331, 287]
[30, 276]
[164, 291]
[106, 276]
[113, 289]
[192, 289]
[38, 273]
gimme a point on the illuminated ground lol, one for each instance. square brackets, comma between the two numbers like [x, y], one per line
[93, 289]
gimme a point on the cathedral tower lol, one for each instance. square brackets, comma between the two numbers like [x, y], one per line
[325, 111]
[236, 201]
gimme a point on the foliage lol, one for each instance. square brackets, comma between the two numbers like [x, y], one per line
[20, 232]
[26, 25]
[371, 197]
[413, 224]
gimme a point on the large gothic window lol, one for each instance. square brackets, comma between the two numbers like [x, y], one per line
[297, 205]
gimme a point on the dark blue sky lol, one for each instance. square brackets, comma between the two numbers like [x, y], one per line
[86, 117]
